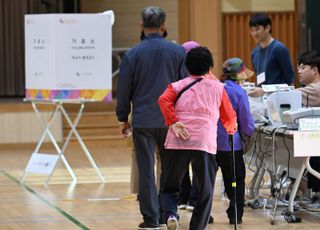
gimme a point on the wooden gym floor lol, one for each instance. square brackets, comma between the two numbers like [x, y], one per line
[92, 205]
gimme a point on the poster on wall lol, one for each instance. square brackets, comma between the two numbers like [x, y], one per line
[68, 56]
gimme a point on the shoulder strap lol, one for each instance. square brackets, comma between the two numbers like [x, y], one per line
[187, 87]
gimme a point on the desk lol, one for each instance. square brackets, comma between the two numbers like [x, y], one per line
[273, 151]
[264, 157]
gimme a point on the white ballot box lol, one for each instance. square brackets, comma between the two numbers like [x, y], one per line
[68, 56]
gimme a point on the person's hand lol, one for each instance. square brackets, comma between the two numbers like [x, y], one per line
[256, 92]
[180, 130]
[125, 129]
[232, 132]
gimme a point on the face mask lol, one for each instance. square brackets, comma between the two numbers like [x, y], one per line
[142, 35]
[165, 33]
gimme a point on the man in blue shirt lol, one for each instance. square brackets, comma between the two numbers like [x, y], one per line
[145, 72]
[270, 59]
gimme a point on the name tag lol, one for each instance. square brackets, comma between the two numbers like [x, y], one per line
[261, 78]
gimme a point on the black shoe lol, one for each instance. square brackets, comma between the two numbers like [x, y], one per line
[211, 220]
[232, 221]
[149, 225]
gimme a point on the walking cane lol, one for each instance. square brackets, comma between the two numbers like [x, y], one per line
[234, 183]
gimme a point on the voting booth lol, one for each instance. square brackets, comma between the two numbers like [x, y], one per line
[68, 56]
[68, 60]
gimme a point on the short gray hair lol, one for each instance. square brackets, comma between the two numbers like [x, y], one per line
[153, 17]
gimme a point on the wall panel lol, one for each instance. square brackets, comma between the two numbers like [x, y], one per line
[24, 127]
[126, 30]
[257, 5]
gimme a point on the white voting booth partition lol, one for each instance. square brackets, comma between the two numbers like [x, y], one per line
[68, 60]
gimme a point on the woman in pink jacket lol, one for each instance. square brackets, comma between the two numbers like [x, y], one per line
[191, 108]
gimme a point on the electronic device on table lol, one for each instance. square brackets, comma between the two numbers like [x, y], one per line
[280, 101]
[291, 117]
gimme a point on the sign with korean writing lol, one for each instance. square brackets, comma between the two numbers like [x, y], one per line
[309, 124]
[68, 56]
[41, 163]
[306, 144]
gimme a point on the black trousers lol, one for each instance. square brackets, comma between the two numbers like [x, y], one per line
[175, 164]
[314, 182]
[224, 160]
[145, 141]
[185, 189]
[189, 190]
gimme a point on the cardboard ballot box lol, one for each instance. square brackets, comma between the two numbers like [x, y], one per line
[68, 56]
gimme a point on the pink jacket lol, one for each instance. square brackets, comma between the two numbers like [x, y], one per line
[199, 109]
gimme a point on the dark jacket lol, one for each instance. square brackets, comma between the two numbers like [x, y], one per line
[145, 72]
[275, 61]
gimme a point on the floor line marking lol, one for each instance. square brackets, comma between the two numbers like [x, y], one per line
[56, 208]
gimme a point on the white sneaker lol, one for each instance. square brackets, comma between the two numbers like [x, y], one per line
[182, 206]
[172, 223]
[190, 208]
